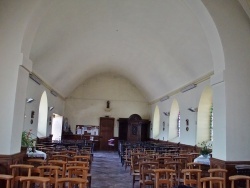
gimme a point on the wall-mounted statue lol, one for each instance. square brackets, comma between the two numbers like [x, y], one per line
[108, 104]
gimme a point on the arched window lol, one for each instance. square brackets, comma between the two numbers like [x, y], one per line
[204, 116]
[179, 125]
[156, 123]
[211, 124]
[174, 126]
[42, 116]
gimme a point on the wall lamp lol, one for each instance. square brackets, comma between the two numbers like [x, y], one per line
[51, 108]
[166, 113]
[29, 100]
[193, 109]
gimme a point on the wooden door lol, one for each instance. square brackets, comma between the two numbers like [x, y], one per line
[106, 132]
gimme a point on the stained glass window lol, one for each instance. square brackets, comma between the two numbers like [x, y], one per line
[211, 123]
[179, 125]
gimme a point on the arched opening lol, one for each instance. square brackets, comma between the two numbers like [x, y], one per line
[156, 123]
[42, 116]
[204, 115]
[174, 120]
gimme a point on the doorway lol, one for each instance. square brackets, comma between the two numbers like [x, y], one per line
[56, 130]
[42, 116]
[106, 132]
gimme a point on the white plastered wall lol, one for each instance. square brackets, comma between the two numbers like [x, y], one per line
[13, 20]
[35, 91]
[88, 102]
[231, 88]
[185, 100]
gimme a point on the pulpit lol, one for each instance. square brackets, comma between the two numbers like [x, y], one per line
[134, 128]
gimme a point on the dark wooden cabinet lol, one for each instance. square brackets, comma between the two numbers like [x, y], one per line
[145, 130]
[106, 131]
[123, 128]
[134, 128]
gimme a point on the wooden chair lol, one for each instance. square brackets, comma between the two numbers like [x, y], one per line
[60, 148]
[212, 180]
[60, 157]
[136, 158]
[86, 158]
[56, 152]
[176, 166]
[86, 148]
[134, 168]
[73, 148]
[147, 174]
[83, 164]
[28, 181]
[194, 155]
[235, 178]
[70, 153]
[8, 179]
[164, 177]
[127, 158]
[78, 163]
[149, 151]
[72, 182]
[182, 151]
[83, 158]
[78, 172]
[183, 160]
[192, 177]
[87, 151]
[36, 163]
[163, 160]
[188, 156]
[47, 149]
[61, 164]
[194, 165]
[50, 172]
[18, 171]
[218, 172]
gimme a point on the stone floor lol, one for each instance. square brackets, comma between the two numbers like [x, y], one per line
[108, 172]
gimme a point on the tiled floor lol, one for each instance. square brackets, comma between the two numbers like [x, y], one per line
[108, 172]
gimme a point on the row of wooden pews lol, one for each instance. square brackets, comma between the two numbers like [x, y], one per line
[172, 167]
[61, 165]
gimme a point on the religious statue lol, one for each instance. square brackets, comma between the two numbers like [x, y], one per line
[65, 125]
[108, 103]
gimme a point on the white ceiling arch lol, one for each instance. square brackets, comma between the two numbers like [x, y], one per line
[158, 45]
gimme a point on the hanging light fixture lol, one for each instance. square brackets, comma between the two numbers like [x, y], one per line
[29, 100]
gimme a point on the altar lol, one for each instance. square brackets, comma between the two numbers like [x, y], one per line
[37, 154]
[205, 160]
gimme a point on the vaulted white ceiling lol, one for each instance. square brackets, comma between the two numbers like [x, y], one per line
[158, 45]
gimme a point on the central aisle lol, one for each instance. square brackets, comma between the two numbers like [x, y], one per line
[108, 172]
